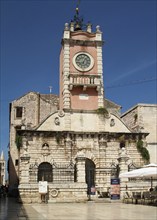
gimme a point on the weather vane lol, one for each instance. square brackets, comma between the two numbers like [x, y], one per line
[77, 7]
[77, 19]
[78, 2]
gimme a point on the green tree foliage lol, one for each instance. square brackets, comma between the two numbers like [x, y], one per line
[143, 151]
[18, 141]
[102, 111]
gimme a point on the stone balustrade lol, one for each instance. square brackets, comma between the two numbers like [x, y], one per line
[87, 80]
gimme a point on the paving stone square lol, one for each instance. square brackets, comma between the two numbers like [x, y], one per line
[10, 209]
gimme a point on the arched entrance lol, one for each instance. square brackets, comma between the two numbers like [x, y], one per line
[45, 172]
[90, 174]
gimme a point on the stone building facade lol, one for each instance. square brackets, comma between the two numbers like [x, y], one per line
[25, 113]
[76, 142]
[2, 169]
[143, 118]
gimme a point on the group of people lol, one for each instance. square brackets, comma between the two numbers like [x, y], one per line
[3, 190]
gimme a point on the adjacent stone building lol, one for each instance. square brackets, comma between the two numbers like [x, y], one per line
[2, 169]
[76, 142]
[26, 113]
[143, 118]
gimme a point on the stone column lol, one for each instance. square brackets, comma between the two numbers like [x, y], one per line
[24, 163]
[24, 185]
[66, 67]
[123, 168]
[80, 167]
[100, 66]
[24, 169]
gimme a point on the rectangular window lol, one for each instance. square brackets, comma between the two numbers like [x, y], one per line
[16, 162]
[18, 112]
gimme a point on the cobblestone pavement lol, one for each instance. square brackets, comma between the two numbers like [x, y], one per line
[11, 210]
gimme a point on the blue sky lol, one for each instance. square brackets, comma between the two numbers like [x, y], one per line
[31, 33]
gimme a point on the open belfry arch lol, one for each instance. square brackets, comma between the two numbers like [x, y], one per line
[76, 141]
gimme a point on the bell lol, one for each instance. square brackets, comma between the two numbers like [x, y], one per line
[77, 27]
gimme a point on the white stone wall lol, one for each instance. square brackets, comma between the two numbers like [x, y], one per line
[2, 169]
[146, 122]
[103, 149]
[85, 122]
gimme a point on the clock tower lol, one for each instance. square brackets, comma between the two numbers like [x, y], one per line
[81, 67]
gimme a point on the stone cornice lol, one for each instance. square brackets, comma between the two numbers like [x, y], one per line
[103, 134]
[79, 33]
[82, 42]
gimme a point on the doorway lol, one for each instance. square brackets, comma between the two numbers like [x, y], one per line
[89, 175]
[45, 172]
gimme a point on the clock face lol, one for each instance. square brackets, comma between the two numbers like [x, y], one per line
[83, 61]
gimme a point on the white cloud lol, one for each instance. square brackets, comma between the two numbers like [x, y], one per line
[135, 70]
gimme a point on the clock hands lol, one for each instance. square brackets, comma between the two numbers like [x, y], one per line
[83, 61]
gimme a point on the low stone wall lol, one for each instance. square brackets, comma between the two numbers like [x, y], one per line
[75, 192]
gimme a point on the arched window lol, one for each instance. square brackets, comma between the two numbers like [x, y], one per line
[122, 144]
[45, 172]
